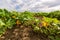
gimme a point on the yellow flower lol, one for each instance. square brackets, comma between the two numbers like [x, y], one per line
[18, 22]
[44, 23]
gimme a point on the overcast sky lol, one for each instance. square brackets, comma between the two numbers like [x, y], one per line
[31, 5]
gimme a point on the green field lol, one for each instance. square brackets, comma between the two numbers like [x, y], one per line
[47, 23]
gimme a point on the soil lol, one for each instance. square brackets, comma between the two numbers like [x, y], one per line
[22, 33]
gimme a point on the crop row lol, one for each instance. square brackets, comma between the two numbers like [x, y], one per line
[41, 22]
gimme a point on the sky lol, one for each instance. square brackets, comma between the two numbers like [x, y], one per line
[31, 5]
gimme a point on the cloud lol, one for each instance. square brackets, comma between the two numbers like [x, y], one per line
[31, 5]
